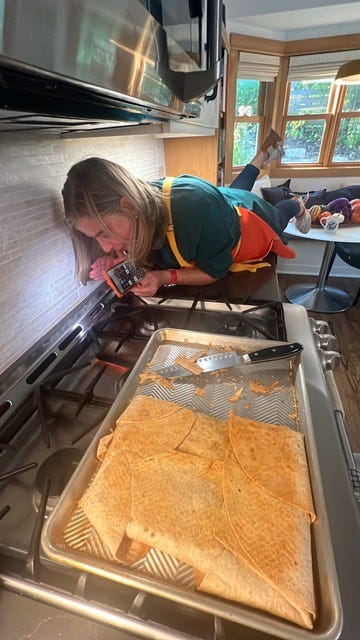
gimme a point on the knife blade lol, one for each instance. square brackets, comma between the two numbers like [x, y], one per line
[228, 359]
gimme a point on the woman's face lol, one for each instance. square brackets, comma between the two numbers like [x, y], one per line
[119, 238]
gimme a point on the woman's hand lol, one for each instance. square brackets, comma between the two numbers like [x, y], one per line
[151, 282]
[101, 264]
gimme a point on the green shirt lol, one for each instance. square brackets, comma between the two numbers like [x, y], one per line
[206, 224]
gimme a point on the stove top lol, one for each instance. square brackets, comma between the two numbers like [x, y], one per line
[52, 404]
[45, 433]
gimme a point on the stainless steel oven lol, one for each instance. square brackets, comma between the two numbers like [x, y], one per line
[52, 403]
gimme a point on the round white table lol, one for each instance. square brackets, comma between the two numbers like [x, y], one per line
[320, 297]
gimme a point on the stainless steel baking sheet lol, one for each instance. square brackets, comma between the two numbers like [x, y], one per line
[70, 539]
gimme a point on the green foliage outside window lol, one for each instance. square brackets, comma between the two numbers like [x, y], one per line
[352, 98]
[347, 147]
[303, 141]
[245, 142]
[307, 98]
[247, 96]
[245, 132]
[303, 138]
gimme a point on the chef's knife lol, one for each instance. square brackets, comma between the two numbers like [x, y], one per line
[227, 359]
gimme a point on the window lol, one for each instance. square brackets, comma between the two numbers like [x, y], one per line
[249, 108]
[294, 93]
[306, 120]
[347, 143]
[255, 75]
[322, 120]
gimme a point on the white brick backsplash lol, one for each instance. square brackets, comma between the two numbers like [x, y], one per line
[37, 283]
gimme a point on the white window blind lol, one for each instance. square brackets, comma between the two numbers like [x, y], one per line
[319, 66]
[255, 66]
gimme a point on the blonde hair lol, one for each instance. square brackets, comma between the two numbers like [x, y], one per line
[93, 188]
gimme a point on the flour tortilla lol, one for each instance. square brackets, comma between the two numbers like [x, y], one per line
[144, 408]
[209, 438]
[270, 532]
[103, 446]
[186, 484]
[233, 575]
[107, 501]
[176, 499]
[149, 426]
[261, 448]
[233, 579]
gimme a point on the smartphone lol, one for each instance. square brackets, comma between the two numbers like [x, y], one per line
[123, 277]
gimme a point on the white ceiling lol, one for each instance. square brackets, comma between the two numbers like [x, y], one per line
[292, 19]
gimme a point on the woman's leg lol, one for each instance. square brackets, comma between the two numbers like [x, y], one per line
[288, 209]
[246, 178]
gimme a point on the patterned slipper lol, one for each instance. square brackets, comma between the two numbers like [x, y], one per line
[303, 218]
[274, 152]
[270, 141]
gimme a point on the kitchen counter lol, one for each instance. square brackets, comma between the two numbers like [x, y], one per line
[243, 287]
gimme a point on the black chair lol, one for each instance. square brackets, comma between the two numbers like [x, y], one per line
[349, 252]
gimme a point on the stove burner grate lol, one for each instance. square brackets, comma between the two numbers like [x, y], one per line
[56, 469]
[148, 327]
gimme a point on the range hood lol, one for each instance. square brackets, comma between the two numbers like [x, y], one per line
[98, 64]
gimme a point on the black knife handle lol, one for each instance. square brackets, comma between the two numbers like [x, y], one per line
[276, 352]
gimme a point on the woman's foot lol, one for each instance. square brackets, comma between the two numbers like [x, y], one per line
[271, 140]
[275, 152]
[303, 218]
[272, 147]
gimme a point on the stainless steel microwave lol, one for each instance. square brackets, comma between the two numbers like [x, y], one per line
[91, 63]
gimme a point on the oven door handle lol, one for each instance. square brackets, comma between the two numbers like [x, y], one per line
[100, 613]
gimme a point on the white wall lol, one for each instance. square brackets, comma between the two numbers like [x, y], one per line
[37, 286]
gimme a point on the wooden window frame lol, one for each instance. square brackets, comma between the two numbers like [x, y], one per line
[275, 116]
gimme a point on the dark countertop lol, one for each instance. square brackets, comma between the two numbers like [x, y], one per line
[243, 287]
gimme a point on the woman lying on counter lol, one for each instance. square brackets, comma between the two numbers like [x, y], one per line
[213, 230]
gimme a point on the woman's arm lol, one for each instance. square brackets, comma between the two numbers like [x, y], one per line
[153, 280]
